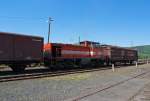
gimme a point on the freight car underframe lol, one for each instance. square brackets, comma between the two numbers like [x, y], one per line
[124, 61]
[18, 66]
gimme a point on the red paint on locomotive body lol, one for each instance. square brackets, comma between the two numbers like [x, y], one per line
[67, 51]
[75, 51]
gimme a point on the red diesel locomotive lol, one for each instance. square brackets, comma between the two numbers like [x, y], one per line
[86, 53]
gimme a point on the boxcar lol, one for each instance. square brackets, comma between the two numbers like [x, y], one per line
[121, 54]
[18, 51]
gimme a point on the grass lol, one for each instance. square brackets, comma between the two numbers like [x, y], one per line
[143, 51]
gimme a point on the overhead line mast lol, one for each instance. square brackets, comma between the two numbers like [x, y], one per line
[49, 25]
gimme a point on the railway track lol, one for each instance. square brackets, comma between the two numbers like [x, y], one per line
[46, 74]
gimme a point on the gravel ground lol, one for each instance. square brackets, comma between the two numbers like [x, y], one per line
[66, 87]
[144, 93]
[122, 92]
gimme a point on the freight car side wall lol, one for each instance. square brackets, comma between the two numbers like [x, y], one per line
[28, 48]
[122, 54]
[20, 48]
[6, 47]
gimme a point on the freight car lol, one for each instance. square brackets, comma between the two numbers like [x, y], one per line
[18, 51]
[120, 54]
[86, 53]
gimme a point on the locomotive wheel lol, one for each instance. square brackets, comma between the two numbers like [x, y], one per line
[18, 68]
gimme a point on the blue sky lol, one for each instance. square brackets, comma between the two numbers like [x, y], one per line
[116, 22]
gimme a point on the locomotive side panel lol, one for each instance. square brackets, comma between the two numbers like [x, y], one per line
[74, 51]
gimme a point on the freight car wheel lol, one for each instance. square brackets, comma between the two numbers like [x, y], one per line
[18, 68]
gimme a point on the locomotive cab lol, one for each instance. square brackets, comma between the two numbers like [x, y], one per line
[89, 44]
[56, 51]
[51, 52]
